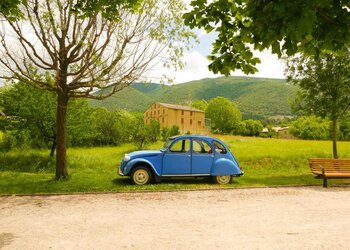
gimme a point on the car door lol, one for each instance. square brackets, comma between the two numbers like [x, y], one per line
[177, 159]
[202, 157]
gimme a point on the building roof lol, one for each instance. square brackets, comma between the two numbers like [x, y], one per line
[277, 129]
[181, 107]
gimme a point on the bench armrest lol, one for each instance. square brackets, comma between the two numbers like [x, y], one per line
[322, 168]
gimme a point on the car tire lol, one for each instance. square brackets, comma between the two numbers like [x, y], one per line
[141, 176]
[222, 179]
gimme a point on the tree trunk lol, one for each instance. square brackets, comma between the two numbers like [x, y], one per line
[61, 135]
[53, 149]
[334, 137]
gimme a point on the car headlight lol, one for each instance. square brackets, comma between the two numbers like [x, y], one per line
[126, 157]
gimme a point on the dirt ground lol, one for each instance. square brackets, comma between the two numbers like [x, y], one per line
[258, 218]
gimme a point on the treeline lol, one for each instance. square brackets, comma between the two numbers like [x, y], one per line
[226, 118]
[30, 122]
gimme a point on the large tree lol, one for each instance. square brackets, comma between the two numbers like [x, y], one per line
[294, 26]
[75, 48]
[224, 114]
[324, 84]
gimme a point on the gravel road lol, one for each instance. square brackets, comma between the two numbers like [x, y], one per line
[257, 218]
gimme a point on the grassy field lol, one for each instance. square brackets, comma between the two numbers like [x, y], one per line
[266, 162]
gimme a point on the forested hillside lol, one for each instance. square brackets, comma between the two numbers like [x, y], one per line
[255, 96]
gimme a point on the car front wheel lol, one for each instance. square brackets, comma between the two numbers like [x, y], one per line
[140, 176]
[223, 179]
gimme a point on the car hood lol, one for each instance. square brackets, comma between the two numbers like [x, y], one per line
[144, 153]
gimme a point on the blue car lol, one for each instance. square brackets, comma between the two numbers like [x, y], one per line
[182, 156]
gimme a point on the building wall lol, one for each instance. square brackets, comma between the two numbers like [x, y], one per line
[186, 120]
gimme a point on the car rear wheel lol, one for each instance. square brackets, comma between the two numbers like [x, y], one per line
[223, 179]
[141, 176]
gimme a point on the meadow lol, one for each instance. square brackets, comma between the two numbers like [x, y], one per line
[265, 162]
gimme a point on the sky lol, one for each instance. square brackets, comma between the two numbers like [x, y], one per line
[197, 63]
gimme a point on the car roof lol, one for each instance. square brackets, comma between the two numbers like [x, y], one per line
[193, 137]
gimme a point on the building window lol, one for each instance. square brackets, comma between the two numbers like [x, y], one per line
[182, 112]
[191, 113]
[163, 111]
[199, 123]
[191, 122]
[182, 120]
[163, 119]
[158, 112]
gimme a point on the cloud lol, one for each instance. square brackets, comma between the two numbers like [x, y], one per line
[196, 68]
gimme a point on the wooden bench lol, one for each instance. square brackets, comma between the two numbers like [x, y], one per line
[330, 168]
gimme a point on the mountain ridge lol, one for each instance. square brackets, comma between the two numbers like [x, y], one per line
[259, 97]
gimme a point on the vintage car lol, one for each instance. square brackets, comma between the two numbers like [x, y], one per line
[182, 156]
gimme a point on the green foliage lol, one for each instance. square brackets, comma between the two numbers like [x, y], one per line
[251, 127]
[108, 8]
[200, 104]
[344, 129]
[10, 9]
[283, 26]
[224, 114]
[154, 130]
[324, 84]
[255, 97]
[311, 127]
[164, 133]
[33, 112]
[174, 130]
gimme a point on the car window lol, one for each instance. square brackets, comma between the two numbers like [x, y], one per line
[180, 146]
[219, 148]
[201, 147]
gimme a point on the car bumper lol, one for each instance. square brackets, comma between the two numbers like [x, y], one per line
[238, 175]
[120, 172]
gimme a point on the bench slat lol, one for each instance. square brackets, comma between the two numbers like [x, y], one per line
[330, 168]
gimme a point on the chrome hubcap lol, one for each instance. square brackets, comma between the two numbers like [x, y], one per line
[141, 176]
[223, 179]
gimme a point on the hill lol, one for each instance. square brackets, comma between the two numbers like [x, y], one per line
[255, 97]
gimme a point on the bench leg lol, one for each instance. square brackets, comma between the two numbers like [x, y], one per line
[325, 183]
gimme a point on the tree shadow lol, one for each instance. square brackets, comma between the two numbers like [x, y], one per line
[6, 239]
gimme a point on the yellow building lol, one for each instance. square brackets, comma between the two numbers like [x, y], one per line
[188, 119]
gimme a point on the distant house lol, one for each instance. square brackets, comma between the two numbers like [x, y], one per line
[188, 119]
[282, 132]
[2, 114]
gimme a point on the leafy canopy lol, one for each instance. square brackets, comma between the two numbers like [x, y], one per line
[287, 27]
[224, 114]
[324, 84]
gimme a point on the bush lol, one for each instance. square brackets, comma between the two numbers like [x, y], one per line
[15, 139]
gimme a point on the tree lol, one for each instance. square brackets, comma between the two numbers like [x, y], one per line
[284, 26]
[224, 114]
[33, 110]
[324, 84]
[82, 52]
[311, 128]
[200, 104]
[251, 127]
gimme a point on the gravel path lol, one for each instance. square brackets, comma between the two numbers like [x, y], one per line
[258, 218]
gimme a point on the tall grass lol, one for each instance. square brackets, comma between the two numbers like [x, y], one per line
[266, 162]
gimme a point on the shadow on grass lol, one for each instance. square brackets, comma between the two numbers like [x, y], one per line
[168, 180]
[29, 163]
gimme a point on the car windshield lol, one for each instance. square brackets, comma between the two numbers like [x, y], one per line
[166, 145]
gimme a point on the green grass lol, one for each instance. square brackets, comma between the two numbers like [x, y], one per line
[266, 162]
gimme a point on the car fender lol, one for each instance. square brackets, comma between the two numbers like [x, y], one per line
[131, 163]
[224, 166]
